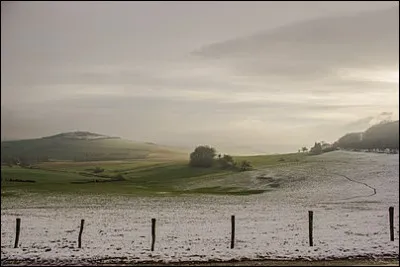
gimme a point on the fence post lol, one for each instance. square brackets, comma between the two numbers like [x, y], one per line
[391, 222]
[17, 231]
[233, 231]
[153, 233]
[80, 234]
[310, 227]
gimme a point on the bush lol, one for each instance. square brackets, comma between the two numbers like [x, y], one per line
[245, 166]
[226, 162]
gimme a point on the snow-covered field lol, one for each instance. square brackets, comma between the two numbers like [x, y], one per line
[349, 218]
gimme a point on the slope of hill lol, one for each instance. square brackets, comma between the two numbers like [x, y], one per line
[380, 136]
[83, 146]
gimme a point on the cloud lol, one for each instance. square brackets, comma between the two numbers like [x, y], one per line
[360, 124]
[286, 87]
[315, 48]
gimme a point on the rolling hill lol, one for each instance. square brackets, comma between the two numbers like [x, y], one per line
[380, 136]
[84, 146]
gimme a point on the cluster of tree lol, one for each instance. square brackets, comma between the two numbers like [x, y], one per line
[205, 157]
[303, 149]
[384, 135]
[316, 149]
[322, 147]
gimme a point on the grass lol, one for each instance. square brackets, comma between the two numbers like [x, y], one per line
[270, 160]
[141, 177]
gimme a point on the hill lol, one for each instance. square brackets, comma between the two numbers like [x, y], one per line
[83, 146]
[380, 136]
[84, 162]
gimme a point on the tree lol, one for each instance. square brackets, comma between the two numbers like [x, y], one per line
[304, 149]
[202, 156]
[316, 149]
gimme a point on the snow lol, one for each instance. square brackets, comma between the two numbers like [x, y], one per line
[348, 220]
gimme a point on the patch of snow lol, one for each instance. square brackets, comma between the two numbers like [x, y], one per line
[273, 225]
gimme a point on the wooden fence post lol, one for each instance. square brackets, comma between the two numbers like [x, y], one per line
[153, 233]
[310, 227]
[80, 234]
[391, 222]
[17, 231]
[233, 231]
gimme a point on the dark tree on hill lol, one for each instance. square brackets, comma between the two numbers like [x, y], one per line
[202, 156]
[316, 149]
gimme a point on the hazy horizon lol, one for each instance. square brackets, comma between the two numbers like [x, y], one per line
[227, 74]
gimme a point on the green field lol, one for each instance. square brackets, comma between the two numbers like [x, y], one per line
[128, 168]
[142, 177]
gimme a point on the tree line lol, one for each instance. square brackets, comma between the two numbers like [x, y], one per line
[381, 136]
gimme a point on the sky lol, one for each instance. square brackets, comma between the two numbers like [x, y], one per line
[245, 77]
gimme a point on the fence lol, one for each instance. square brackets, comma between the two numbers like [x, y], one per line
[232, 239]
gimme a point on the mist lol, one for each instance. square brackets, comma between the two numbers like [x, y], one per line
[245, 77]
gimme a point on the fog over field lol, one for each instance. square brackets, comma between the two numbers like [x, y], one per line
[247, 77]
[192, 112]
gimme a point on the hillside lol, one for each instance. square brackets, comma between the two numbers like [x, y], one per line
[380, 136]
[83, 146]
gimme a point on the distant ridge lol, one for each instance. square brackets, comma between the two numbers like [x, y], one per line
[85, 146]
[80, 135]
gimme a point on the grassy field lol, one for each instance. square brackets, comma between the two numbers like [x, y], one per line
[127, 167]
[141, 177]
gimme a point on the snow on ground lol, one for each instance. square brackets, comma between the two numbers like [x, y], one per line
[349, 218]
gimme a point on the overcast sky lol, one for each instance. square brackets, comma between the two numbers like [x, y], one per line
[245, 77]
